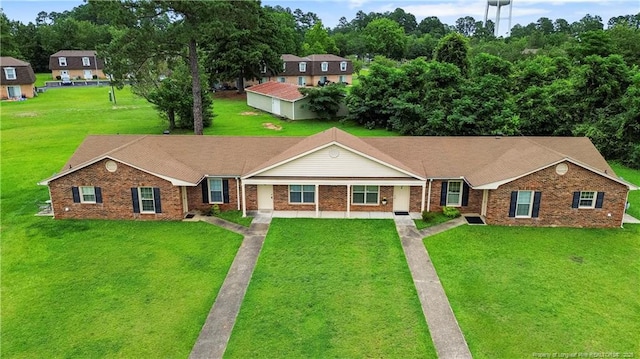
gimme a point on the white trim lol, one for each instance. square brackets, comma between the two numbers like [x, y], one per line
[348, 200]
[211, 190]
[593, 200]
[153, 200]
[333, 182]
[62, 59]
[302, 65]
[185, 199]
[332, 143]
[365, 195]
[82, 200]
[238, 191]
[495, 185]
[244, 200]
[343, 66]
[460, 193]
[88, 62]
[302, 191]
[485, 202]
[530, 204]
[316, 197]
[6, 73]
[424, 187]
[324, 66]
[174, 181]
[429, 196]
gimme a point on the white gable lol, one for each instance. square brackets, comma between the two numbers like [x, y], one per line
[334, 161]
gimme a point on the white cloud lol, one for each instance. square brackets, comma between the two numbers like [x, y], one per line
[355, 4]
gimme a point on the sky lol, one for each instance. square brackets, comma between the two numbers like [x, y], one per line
[330, 11]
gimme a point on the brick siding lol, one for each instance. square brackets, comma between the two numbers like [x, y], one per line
[194, 198]
[557, 196]
[116, 194]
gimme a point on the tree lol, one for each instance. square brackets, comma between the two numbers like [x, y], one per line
[406, 20]
[160, 31]
[453, 48]
[386, 37]
[432, 25]
[420, 46]
[318, 41]
[545, 25]
[466, 26]
[7, 37]
[325, 101]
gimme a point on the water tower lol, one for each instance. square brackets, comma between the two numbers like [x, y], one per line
[498, 4]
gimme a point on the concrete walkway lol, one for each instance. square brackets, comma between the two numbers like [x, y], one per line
[215, 333]
[445, 331]
[629, 219]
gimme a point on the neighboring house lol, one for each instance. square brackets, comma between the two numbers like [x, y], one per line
[282, 99]
[530, 181]
[76, 64]
[17, 79]
[313, 70]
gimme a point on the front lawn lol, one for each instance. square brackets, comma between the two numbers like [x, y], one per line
[331, 288]
[519, 291]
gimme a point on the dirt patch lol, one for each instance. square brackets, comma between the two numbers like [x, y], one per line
[249, 113]
[271, 126]
[27, 114]
[230, 95]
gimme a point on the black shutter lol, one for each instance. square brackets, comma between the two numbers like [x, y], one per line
[536, 204]
[134, 200]
[205, 190]
[98, 194]
[443, 193]
[76, 194]
[465, 194]
[225, 190]
[576, 200]
[156, 199]
[599, 199]
[512, 205]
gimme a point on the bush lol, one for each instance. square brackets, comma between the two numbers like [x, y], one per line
[95, 77]
[451, 212]
[215, 210]
[58, 77]
[428, 216]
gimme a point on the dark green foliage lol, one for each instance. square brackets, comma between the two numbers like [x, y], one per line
[324, 101]
[428, 216]
[453, 49]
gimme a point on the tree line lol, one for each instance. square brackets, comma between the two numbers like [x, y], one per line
[550, 77]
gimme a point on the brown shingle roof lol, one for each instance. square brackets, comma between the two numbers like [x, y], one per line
[24, 72]
[480, 160]
[74, 60]
[283, 91]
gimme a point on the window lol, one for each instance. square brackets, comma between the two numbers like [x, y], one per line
[62, 61]
[343, 66]
[86, 61]
[587, 200]
[264, 69]
[523, 204]
[342, 79]
[215, 190]
[301, 81]
[147, 202]
[10, 73]
[302, 194]
[324, 66]
[454, 193]
[87, 195]
[281, 79]
[302, 67]
[365, 194]
[284, 66]
[14, 91]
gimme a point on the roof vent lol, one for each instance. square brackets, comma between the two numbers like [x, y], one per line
[562, 168]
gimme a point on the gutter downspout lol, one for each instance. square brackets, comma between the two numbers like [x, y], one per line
[317, 201]
[429, 196]
[623, 211]
[238, 191]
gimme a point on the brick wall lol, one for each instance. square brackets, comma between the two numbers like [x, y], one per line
[557, 196]
[415, 199]
[251, 194]
[333, 198]
[194, 198]
[116, 194]
[474, 205]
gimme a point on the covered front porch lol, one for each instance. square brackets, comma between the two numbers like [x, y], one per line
[330, 214]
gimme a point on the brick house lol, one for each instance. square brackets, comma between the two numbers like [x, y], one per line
[312, 70]
[77, 64]
[532, 181]
[17, 79]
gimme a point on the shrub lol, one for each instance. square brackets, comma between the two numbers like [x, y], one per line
[215, 210]
[450, 212]
[95, 77]
[58, 77]
[428, 216]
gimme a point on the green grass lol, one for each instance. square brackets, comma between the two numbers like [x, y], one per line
[331, 288]
[438, 219]
[518, 291]
[632, 176]
[95, 288]
[42, 78]
[235, 217]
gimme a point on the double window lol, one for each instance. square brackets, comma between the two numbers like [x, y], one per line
[302, 194]
[86, 61]
[10, 73]
[454, 193]
[324, 66]
[215, 190]
[302, 67]
[62, 61]
[343, 66]
[365, 194]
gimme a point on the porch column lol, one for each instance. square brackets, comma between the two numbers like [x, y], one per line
[317, 200]
[429, 197]
[485, 198]
[244, 201]
[238, 191]
[348, 201]
[424, 188]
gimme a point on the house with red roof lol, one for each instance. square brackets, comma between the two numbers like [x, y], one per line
[513, 181]
[282, 99]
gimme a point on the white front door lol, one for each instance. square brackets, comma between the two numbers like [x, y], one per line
[265, 196]
[88, 75]
[275, 106]
[401, 198]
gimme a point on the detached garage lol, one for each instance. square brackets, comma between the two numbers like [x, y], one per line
[280, 99]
